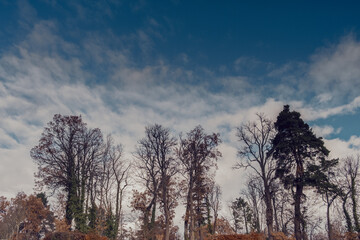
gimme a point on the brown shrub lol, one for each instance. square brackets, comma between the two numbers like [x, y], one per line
[73, 236]
[251, 236]
[351, 236]
[281, 236]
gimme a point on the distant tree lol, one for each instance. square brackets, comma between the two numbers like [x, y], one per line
[301, 160]
[13, 215]
[157, 165]
[283, 211]
[39, 219]
[110, 229]
[67, 155]
[224, 227]
[242, 215]
[198, 153]
[330, 191]
[111, 181]
[213, 199]
[142, 202]
[43, 198]
[253, 194]
[25, 218]
[121, 171]
[349, 183]
[255, 153]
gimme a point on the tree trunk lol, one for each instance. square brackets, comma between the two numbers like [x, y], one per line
[215, 223]
[208, 215]
[329, 222]
[298, 215]
[71, 202]
[118, 208]
[347, 215]
[269, 211]
[186, 224]
[275, 214]
[166, 209]
[152, 224]
[192, 226]
[245, 220]
[354, 204]
[188, 221]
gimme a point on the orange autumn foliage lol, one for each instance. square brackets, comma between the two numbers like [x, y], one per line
[73, 236]
[281, 236]
[250, 236]
[351, 236]
[61, 226]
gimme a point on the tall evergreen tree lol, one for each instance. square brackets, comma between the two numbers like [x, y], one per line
[300, 159]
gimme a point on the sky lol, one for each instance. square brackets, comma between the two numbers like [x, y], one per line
[123, 65]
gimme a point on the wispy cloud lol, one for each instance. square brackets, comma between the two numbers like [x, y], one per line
[325, 131]
[335, 69]
[100, 78]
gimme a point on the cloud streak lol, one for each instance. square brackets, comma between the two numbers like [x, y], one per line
[44, 74]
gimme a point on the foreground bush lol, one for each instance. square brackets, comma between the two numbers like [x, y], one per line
[251, 236]
[281, 236]
[73, 236]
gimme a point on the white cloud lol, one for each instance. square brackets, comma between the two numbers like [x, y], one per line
[39, 82]
[325, 131]
[312, 112]
[45, 75]
[335, 69]
[342, 148]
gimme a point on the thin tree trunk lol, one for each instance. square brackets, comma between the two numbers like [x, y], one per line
[215, 223]
[245, 220]
[118, 208]
[298, 215]
[275, 214]
[269, 211]
[152, 224]
[188, 221]
[347, 215]
[354, 204]
[329, 222]
[166, 209]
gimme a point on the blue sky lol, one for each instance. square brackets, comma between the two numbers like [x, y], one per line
[125, 64]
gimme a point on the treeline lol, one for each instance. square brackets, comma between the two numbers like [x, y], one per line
[89, 176]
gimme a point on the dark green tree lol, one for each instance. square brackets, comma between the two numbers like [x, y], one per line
[110, 230]
[242, 214]
[300, 159]
[43, 198]
[92, 216]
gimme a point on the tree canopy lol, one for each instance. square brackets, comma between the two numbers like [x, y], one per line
[301, 159]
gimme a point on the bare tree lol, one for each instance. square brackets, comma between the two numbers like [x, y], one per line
[66, 152]
[329, 193]
[255, 138]
[198, 154]
[157, 167]
[349, 183]
[214, 196]
[282, 200]
[115, 179]
[253, 194]
[121, 175]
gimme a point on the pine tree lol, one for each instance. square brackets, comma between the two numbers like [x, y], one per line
[300, 159]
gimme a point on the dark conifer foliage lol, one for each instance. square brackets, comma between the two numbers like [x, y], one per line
[301, 160]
